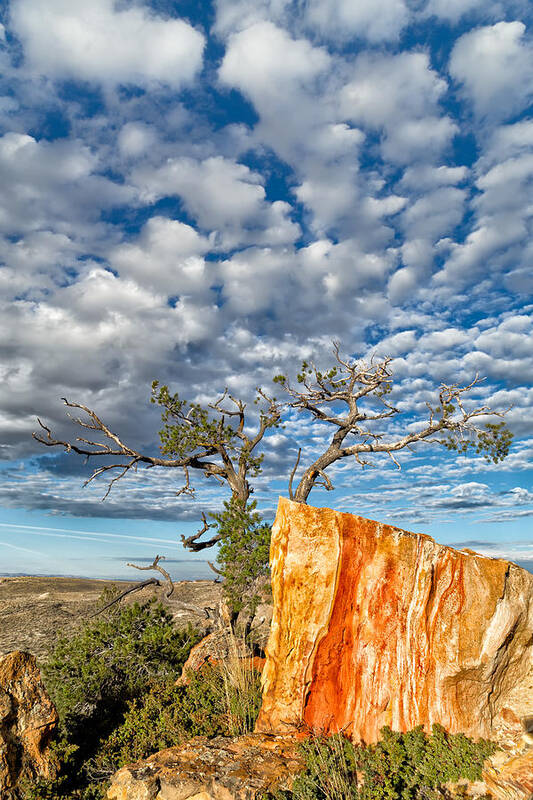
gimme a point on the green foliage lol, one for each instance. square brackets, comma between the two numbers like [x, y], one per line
[112, 660]
[330, 770]
[243, 553]
[169, 715]
[493, 443]
[329, 378]
[94, 676]
[402, 766]
[114, 684]
[190, 428]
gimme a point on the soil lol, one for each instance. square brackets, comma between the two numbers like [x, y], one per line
[35, 611]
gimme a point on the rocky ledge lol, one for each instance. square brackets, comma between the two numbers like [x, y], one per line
[240, 768]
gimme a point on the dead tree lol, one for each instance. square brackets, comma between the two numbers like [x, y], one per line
[352, 397]
[211, 439]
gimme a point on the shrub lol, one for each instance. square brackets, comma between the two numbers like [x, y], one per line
[402, 766]
[114, 684]
[168, 715]
[94, 674]
[93, 677]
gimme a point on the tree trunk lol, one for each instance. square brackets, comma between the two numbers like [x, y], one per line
[304, 487]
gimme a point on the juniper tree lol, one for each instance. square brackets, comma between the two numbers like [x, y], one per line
[351, 396]
[213, 439]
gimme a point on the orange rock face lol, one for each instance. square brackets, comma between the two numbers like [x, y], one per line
[377, 626]
[27, 721]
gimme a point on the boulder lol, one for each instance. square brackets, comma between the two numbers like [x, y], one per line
[239, 768]
[374, 626]
[27, 722]
[218, 647]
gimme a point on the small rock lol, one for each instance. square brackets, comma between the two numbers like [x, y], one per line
[512, 780]
[220, 645]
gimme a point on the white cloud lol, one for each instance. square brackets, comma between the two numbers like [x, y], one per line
[223, 196]
[135, 138]
[453, 10]
[264, 59]
[435, 214]
[375, 20]
[508, 141]
[166, 258]
[381, 20]
[502, 224]
[399, 94]
[385, 88]
[495, 66]
[235, 15]
[425, 177]
[423, 139]
[99, 43]
[44, 179]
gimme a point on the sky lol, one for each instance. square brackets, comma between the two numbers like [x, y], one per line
[206, 193]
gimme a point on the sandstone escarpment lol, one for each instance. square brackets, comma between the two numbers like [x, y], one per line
[377, 626]
[27, 721]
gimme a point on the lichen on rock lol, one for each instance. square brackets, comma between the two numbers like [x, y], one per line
[27, 721]
[223, 768]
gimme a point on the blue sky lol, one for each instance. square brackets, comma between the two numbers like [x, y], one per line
[207, 193]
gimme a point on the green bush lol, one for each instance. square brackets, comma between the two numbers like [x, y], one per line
[94, 676]
[169, 715]
[402, 766]
[114, 684]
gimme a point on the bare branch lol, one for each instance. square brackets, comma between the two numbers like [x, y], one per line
[326, 483]
[155, 565]
[192, 543]
[136, 588]
[345, 396]
[293, 473]
[187, 489]
[215, 569]
[90, 448]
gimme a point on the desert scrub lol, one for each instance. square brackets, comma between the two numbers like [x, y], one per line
[402, 766]
[114, 659]
[169, 715]
[94, 676]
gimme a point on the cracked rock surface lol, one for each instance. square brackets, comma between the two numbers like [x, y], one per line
[238, 768]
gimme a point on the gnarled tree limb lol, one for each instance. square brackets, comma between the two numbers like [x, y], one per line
[355, 392]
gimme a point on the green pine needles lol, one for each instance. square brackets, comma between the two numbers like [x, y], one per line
[242, 557]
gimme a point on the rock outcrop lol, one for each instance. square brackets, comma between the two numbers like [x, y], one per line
[27, 721]
[218, 646]
[377, 626]
[241, 768]
[512, 779]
